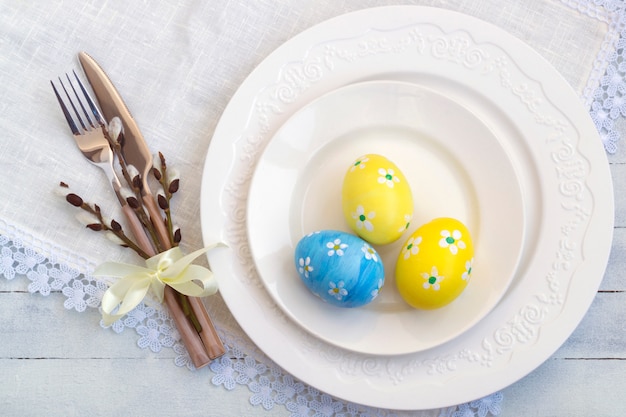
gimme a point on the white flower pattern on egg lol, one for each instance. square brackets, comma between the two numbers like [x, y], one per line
[336, 247]
[433, 279]
[412, 247]
[359, 163]
[337, 290]
[363, 220]
[468, 270]
[370, 253]
[376, 291]
[387, 177]
[305, 266]
[407, 223]
[452, 240]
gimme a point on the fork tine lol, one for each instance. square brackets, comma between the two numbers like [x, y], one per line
[66, 113]
[90, 101]
[80, 102]
[80, 120]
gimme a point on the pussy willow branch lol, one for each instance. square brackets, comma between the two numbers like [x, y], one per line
[135, 184]
[114, 227]
[169, 188]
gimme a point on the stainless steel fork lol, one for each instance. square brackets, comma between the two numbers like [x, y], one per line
[90, 137]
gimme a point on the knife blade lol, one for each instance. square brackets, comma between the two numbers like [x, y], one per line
[135, 152]
[134, 148]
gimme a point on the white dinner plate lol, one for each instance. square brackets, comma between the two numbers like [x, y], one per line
[539, 121]
[296, 190]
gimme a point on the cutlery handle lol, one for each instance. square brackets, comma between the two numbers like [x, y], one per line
[196, 349]
[212, 342]
[138, 231]
[157, 220]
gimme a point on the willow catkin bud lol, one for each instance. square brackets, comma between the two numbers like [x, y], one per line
[74, 200]
[174, 186]
[96, 227]
[135, 176]
[133, 202]
[163, 204]
[115, 225]
[162, 160]
[115, 128]
[132, 171]
[177, 235]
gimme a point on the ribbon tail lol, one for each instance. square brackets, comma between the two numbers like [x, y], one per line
[124, 295]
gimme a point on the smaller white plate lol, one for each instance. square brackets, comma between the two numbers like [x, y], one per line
[455, 166]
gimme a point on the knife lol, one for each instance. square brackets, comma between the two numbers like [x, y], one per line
[136, 152]
[134, 148]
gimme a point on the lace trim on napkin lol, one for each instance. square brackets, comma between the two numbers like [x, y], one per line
[605, 93]
[243, 365]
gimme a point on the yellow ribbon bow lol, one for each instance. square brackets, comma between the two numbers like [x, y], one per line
[167, 268]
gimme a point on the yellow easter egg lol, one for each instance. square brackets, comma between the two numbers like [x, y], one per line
[435, 264]
[376, 199]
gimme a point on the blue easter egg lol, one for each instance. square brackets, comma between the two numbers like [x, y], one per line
[340, 268]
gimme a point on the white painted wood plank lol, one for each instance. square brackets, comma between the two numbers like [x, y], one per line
[34, 326]
[602, 332]
[569, 388]
[121, 387]
[618, 173]
[19, 283]
[60, 362]
[614, 276]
